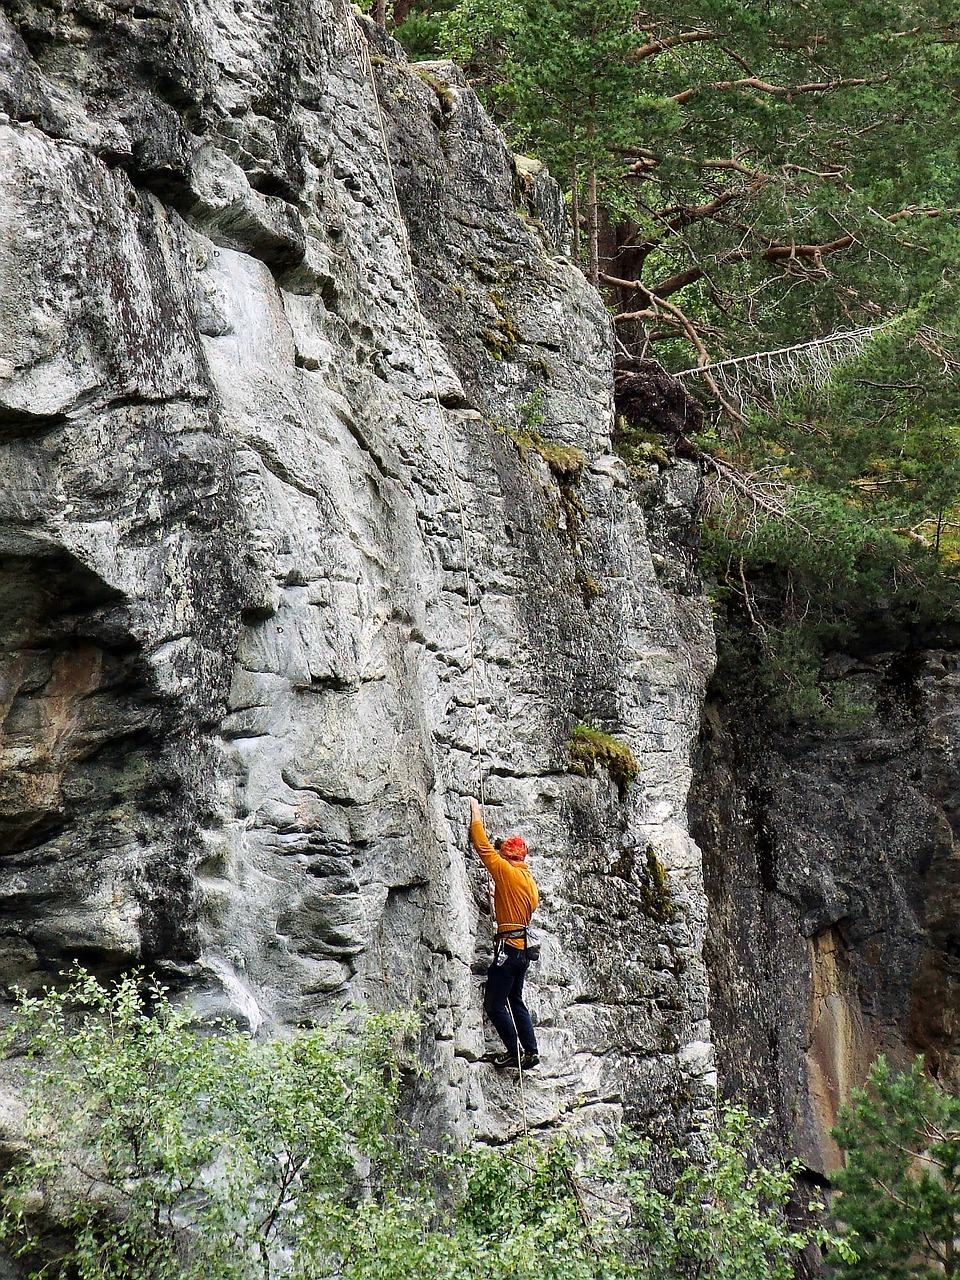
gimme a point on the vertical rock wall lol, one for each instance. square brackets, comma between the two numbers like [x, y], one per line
[831, 865]
[245, 398]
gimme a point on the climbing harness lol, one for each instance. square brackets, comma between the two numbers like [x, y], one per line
[366, 66]
[530, 949]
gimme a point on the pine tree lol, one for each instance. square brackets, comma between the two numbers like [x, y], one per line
[567, 77]
[899, 1194]
[762, 171]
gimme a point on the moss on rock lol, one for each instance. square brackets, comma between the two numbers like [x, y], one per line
[589, 747]
[655, 892]
[564, 460]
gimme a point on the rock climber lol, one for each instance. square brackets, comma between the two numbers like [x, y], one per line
[514, 902]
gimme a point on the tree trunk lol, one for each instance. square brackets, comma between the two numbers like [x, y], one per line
[575, 212]
[593, 228]
[593, 222]
[380, 13]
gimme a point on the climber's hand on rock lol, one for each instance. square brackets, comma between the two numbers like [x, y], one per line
[475, 810]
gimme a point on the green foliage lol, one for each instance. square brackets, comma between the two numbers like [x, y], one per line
[776, 171]
[865, 556]
[164, 1152]
[560, 75]
[156, 1150]
[725, 1216]
[884, 430]
[590, 747]
[899, 1194]
[419, 30]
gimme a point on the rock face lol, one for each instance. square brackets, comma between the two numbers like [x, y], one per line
[281, 543]
[831, 863]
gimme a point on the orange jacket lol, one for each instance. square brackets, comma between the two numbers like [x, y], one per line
[516, 894]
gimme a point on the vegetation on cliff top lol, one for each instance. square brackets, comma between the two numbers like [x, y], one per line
[753, 173]
[772, 185]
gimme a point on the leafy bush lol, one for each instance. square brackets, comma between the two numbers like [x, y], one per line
[155, 1149]
[163, 1151]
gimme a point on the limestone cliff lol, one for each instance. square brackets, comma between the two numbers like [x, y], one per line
[240, 700]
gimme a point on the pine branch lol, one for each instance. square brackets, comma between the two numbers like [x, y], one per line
[772, 253]
[784, 90]
[805, 362]
[687, 215]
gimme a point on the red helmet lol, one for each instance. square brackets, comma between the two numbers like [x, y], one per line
[514, 848]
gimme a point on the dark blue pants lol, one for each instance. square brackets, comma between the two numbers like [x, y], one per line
[504, 1002]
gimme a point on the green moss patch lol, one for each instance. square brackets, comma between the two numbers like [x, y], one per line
[655, 892]
[589, 589]
[501, 339]
[590, 747]
[564, 460]
[639, 446]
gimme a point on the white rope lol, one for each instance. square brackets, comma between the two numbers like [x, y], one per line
[367, 68]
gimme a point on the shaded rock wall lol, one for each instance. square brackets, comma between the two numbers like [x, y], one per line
[243, 401]
[831, 865]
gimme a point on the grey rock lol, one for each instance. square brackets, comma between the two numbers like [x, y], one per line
[830, 861]
[251, 414]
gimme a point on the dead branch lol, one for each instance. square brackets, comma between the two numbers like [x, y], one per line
[672, 42]
[703, 355]
[755, 623]
[790, 91]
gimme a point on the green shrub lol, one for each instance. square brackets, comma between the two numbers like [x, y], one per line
[164, 1151]
[155, 1149]
[899, 1193]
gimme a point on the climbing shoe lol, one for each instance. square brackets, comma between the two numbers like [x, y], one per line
[529, 1060]
[503, 1061]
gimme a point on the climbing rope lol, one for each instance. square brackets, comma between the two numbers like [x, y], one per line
[366, 65]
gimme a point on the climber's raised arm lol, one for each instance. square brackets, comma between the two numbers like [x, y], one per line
[479, 839]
